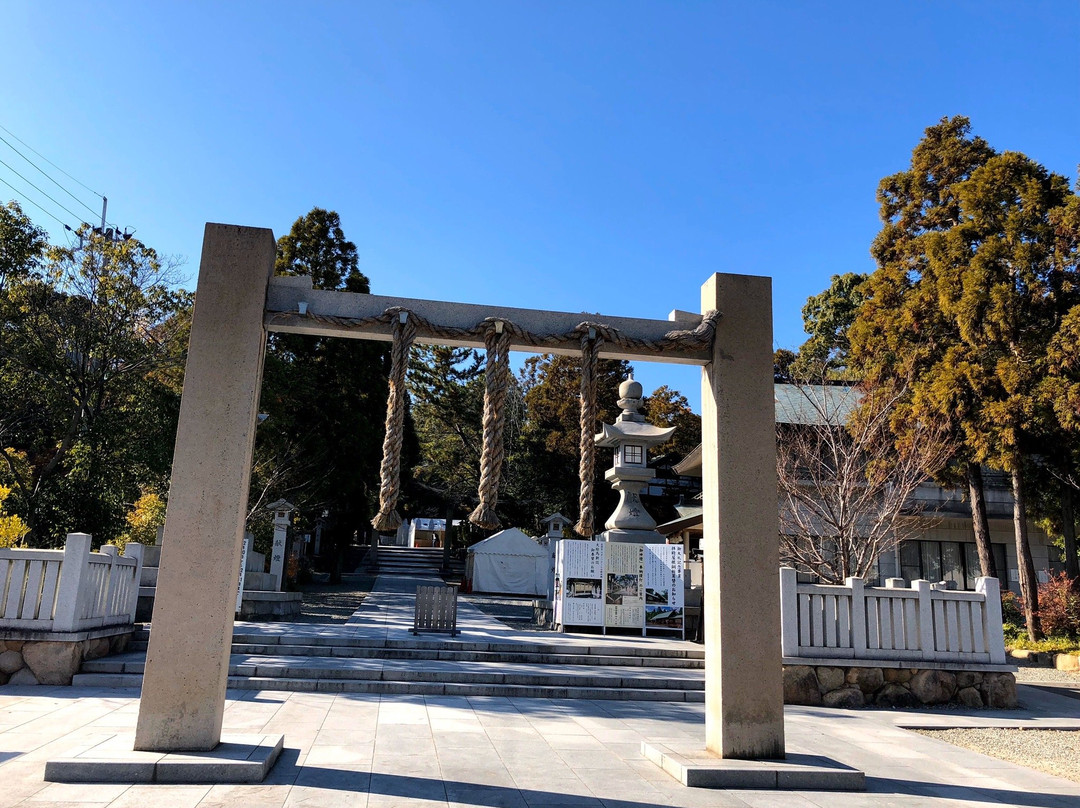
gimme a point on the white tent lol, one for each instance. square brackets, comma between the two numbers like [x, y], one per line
[508, 563]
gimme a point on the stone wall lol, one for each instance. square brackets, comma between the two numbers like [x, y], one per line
[53, 662]
[850, 687]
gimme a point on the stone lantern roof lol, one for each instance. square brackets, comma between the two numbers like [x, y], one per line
[631, 424]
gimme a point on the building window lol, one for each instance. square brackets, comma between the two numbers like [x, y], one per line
[953, 561]
[632, 454]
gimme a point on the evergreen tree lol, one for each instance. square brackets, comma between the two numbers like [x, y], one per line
[901, 339]
[326, 399]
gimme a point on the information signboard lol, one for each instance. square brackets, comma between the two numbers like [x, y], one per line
[664, 597]
[579, 583]
[624, 589]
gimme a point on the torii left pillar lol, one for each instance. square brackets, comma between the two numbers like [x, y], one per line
[187, 663]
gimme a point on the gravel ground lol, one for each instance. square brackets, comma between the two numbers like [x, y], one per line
[1034, 675]
[1051, 751]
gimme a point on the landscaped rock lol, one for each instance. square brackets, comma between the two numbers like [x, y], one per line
[846, 698]
[1067, 662]
[899, 676]
[868, 680]
[23, 676]
[999, 690]
[10, 661]
[801, 685]
[968, 679]
[933, 686]
[893, 695]
[969, 697]
[53, 663]
[96, 648]
[830, 678]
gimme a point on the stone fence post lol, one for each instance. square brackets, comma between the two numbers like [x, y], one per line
[993, 631]
[789, 612]
[69, 590]
[858, 615]
[136, 551]
[926, 619]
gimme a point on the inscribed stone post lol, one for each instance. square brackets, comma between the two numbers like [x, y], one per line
[187, 663]
[744, 702]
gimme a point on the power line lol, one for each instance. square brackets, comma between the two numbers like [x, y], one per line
[46, 175]
[75, 216]
[35, 204]
[50, 162]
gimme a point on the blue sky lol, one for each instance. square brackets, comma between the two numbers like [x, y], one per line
[577, 156]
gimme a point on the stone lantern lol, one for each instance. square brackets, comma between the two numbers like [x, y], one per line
[631, 438]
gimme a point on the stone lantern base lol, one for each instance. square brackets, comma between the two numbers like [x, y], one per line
[631, 536]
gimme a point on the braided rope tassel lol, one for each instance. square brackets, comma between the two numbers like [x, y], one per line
[496, 386]
[388, 519]
[590, 351]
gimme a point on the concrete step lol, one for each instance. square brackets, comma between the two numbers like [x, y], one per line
[131, 680]
[479, 678]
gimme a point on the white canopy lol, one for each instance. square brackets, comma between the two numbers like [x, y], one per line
[508, 563]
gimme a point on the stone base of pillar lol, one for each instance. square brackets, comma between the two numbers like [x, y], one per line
[237, 759]
[698, 768]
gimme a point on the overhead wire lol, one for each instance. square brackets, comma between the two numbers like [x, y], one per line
[46, 174]
[15, 137]
[24, 179]
[50, 162]
[35, 204]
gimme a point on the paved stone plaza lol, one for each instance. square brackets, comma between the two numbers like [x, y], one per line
[378, 750]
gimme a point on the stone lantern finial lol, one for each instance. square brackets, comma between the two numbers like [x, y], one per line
[630, 400]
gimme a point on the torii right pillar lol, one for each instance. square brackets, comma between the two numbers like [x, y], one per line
[744, 698]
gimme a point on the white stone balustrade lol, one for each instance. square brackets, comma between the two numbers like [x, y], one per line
[69, 590]
[925, 622]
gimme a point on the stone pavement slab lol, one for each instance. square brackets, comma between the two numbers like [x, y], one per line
[364, 750]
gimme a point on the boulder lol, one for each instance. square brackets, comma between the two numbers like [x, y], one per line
[53, 663]
[969, 697]
[968, 679]
[893, 696]
[23, 676]
[801, 685]
[898, 676]
[830, 678]
[10, 661]
[846, 698]
[868, 680]
[999, 690]
[933, 686]
[96, 648]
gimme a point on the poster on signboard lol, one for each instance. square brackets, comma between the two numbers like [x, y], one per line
[664, 603]
[624, 592]
[579, 583]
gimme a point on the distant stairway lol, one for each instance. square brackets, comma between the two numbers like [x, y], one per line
[437, 667]
[423, 561]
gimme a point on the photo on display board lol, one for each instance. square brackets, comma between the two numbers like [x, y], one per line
[582, 588]
[620, 586]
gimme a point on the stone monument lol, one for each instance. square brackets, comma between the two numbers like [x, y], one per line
[631, 438]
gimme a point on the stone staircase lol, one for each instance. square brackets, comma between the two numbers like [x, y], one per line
[340, 664]
[421, 561]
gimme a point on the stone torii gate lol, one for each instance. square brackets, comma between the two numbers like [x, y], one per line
[238, 302]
